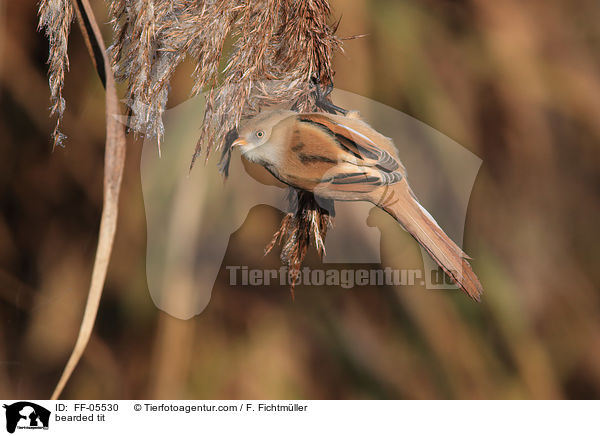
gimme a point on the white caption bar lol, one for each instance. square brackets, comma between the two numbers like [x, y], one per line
[22, 417]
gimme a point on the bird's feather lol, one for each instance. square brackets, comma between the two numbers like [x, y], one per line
[354, 137]
[316, 155]
[403, 206]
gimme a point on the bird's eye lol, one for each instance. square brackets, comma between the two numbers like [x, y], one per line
[260, 134]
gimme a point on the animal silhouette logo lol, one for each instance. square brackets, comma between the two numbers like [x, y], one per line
[26, 415]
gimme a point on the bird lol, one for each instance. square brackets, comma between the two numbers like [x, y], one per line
[340, 157]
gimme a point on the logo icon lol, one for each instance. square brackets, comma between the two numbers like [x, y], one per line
[26, 415]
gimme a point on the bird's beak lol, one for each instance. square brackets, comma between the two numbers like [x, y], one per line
[239, 142]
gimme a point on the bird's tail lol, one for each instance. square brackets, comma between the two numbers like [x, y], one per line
[401, 203]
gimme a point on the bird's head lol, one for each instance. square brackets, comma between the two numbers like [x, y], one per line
[256, 131]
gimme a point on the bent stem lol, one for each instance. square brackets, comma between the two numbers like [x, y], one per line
[114, 162]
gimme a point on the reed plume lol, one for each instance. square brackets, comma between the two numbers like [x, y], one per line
[55, 18]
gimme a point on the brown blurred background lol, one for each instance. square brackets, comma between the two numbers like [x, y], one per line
[517, 83]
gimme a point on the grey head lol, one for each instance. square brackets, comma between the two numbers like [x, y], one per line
[256, 131]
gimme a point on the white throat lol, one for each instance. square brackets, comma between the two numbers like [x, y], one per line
[256, 153]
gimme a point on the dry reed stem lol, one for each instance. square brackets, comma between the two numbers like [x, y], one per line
[113, 172]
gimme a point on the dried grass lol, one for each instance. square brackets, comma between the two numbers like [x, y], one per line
[279, 46]
[55, 18]
[308, 219]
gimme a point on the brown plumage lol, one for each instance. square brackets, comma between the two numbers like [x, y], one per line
[343, 158]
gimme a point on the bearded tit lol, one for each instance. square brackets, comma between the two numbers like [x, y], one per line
[342, 158]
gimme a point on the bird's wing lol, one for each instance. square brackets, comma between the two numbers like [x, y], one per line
[315, 159]
[350, 182]
[353, 141]
[344, 178]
